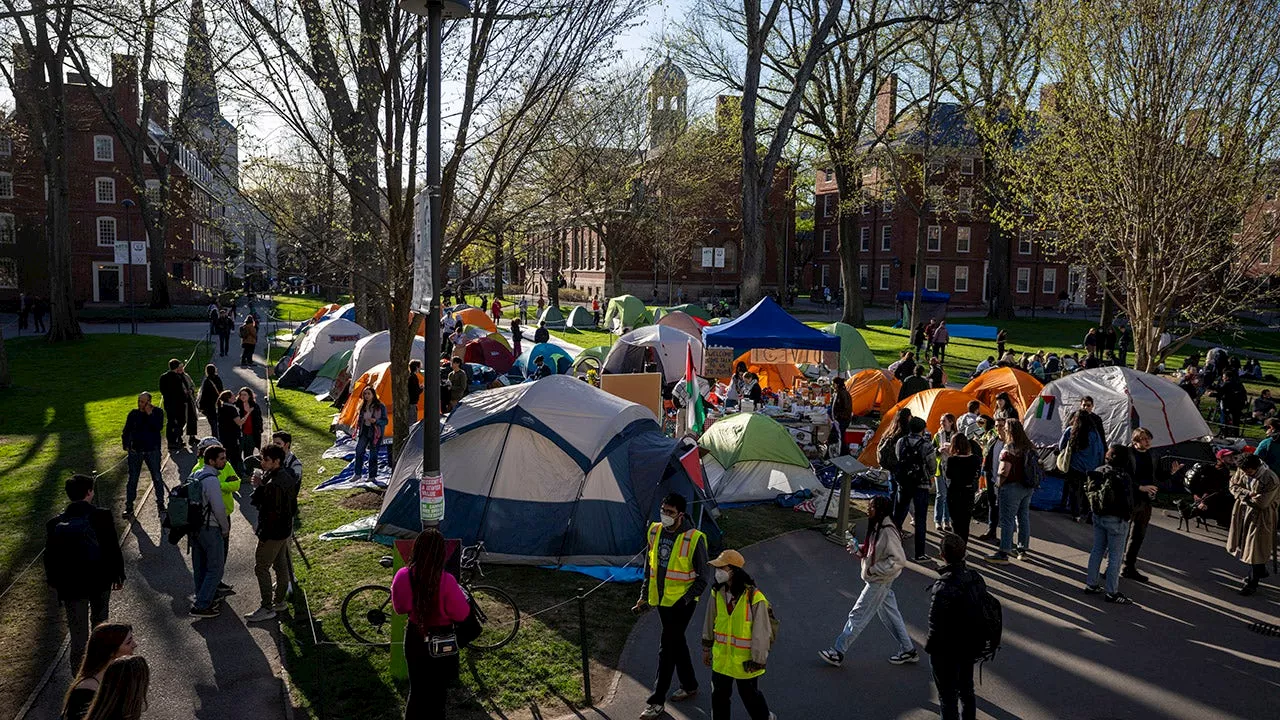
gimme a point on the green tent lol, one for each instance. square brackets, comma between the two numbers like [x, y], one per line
[691, 309]
[335, 364]
[628, 311]
[854, 353]
[751, 436]
[581, 318]
[592, 357]
[552, 317]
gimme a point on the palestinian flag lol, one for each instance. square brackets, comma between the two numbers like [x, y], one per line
[1043, 409]
[697, 414]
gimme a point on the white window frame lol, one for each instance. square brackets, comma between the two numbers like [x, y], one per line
[886, 238]
[866, 206]
[828, 207]
[12, 263]
[886, 206]
[153, 191]
[1049, 281]
[99, 224]
[962, 278]
[933, 239]
[827, 175]
[8, 229]
[864, 277]
[864, 240]
[826, 240]
[97, 266]
[966, 166]
[101, 142]
[826, 275]
[964, 199]
[1023, 284]
[102, 182]
[964, 239]
[6, 146]
[884, 277]
[1026, 245]
[6, 186]
[931, 275]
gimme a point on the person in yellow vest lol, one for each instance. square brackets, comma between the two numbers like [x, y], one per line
[735, 638]
[674, 578]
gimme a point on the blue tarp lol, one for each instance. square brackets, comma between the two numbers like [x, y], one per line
[767, 325]
[929, 296]
[973, 332]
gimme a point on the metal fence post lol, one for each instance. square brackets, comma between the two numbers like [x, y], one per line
[582, 641]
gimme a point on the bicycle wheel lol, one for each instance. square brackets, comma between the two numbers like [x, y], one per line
[498, 615]
[366, 613]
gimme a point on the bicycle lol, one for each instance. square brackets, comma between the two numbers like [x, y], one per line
[366, 611]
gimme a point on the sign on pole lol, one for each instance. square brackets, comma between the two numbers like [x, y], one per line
[720, 257]
[122, 252]
[431, 499]
[138, 252]
[708, 257]
[423, 290]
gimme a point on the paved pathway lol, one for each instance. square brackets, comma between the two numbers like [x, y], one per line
[1184, 651]
[219, 668]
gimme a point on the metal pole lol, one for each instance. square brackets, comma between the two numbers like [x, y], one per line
[431, 369]
[582, 642]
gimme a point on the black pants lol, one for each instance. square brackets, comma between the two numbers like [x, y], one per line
[224, 344]
[1073, 494]
[940, 350]
[83, 614]
[246, 354]
[913, 501]
[1257, 571]
[429, 678]
[1137, 532]
[954, 678]
[993, 507]
[960, 505]
[722, 692]
[175, 422]
[673, 653]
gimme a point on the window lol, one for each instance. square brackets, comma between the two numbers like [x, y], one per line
[107, 231]
[864, 276]
[884, 277]
[1049, 285]
[965, 200]
[826, 176]
[6, 185]
[826, 240]
[153, 192]
[826, 276]
[105, 189]
[104, 148]
[865, 240]
[828, 207]
[886, 238]
[966, 166]
[934, 243]
[8, 273]
[963, 238]
[886, 206]
[6, 146]
[1024, 244]
[930, 277]
[866, 207]
[962, 278]
[7, 235]
[1024, 280]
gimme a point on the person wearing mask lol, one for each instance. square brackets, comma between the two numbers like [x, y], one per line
[940, 339]
[991, 444]
[516, 336]
[107, 642]
[951, 618]
[434, 602]
[1251, 537]
[968, 423]
[882, 560]
[916, 464]
[1143, 470]
[248, 341]
[223, 329]
[542, 334]
[123, 692]
[937, 376]
[947, 430]
[917, 382]
[209, 545]
[736, 635]
[1085, 446]
[371, 422]
[1269, 448]
[1014, 492]
[1110, 491]
[674, 577]
[82, 562]
[274, 490]
[251, 422]
[173, 391]
[141, 440]
[963, 465]
[210, 390]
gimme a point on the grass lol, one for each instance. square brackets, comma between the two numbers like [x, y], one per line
[63, 415]
[586, 338]
[294, 308]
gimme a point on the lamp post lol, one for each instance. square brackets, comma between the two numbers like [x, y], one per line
[128, 204]
[435, 11]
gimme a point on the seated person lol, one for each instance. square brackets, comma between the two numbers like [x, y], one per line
[1052, 365]
[1071, 363]
[1264, 406]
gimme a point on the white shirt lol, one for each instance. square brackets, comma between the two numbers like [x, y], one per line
[984, 366]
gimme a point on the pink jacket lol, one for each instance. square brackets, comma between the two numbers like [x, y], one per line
[452, 606]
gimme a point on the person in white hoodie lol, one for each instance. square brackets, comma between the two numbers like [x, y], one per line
[882, 559]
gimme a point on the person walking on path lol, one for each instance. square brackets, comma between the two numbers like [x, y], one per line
[209, 545]
[940, 339]
[123, 693]
[951, 642]
[524, 309]
[917, 339]
[229, 483]
[964, 461]
[1143, 470]
[210, 390]
[1086, 447]
[516, 337]
[595, 310]
[737, 632]
[141, 440]
[1014, 492]
[251, 422]
[916, 460]
[273, 495]
[223, 328]
[434, 601]
[882, 560]
[173, 391]
[82, 562]
[1002, 338]
[107, 642]
[947, 430]
[39, 307]
[371, 422]
[887, 451]
[1110, 490]
[248, 341]
[496, 311]
[674, 577]
[1253, 518]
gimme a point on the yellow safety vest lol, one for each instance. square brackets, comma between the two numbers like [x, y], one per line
[733, 635]
[680, 571]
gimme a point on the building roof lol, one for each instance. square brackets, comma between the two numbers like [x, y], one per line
[668, 74]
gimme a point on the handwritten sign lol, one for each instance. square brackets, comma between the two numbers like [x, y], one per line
[717, 362]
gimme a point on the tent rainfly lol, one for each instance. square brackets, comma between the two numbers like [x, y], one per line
[682, 321]
[590, 358]
[475, 316]
[580, 318]
[767, 325]
[377, 377]
[626, 311]
[327, 374]
[376, 349]
[552, 354]
[321, 342]
[854, 353]
[1022, 386]
[750, 457]
[552, 317]
[930, 405]
[667, 345]
[872, 391]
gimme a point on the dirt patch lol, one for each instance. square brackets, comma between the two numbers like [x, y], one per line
[368, 500]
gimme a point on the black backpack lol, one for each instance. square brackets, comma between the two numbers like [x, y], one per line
[911, 472]
[887, 454]
[74, 547]
[187, 510]
[988, 623]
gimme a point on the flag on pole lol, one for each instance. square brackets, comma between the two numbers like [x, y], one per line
[697, 414]
[693, 465]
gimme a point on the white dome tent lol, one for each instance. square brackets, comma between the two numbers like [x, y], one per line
[376, 349]
[669, 346]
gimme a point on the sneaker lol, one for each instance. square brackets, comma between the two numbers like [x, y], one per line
[261, 615]
[832, 657]
[910, 656]
[1133, 574]
[223, 592]
[922, 558]
[211, 611]
[998, 558]
[224, 586]
[987, 537]
[280, 606]
[682, 694]
[128, 512]
[1118, 598]
[1019, 553]
[1093, 589]
[653, 711]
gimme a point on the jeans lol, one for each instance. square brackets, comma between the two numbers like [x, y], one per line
[272, 555]
[152, 460]
[1015, 506]
[941, 513]
[224, 343]
[954, 677]
[208, 560]
[1137, 533]
[673, 653]
[1109, 534]
[364, 445]
[960, 509]
[749, 690]
[916, 502]
[83, 615]
[1073, 493]
[429, 678]
[875, 599]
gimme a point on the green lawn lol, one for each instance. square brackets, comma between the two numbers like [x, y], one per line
[586, 338]
[63, 415]
[295, 308]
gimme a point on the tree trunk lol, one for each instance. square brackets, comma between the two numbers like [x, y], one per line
[497, 269]
[155, 231]
[999, 299]
[917, 281]
[402, 334]
[63, 324]
[553, 282]
[850, 277]
[751, 272]
[5, 380]
[1107, 309]
[366, 230]
[613, 270]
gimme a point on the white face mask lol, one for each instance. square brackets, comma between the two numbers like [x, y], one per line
[722, 576]
[667, 521]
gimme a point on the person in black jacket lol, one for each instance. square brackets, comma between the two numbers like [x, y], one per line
[229, 433]
[173, 390]
[1110, 491]
[415, 382]
[1232, 401]
[224, 327]
[141, 439]
[542, 334]
[210, 390]
[82, 562]
[951, 645]
[273, 493]
[1143, 470]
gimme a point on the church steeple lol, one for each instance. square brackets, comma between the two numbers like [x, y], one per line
[199, 105]
[668, 93]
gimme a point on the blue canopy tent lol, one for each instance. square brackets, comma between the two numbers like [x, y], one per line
[767, 325]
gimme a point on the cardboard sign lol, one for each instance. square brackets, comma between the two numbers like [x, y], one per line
[785, 356]
[642, 388]
[717, 362]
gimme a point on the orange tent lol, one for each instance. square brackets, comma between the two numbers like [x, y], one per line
[475, 316]
[773, 377]
[872, 390]
[379, 378]
[324, 310]
[928, 404]
[1023, 387]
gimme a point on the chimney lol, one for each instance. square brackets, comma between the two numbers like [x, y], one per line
[1048, 99]
[1196, 129]
[886, 103]
[156, 92]
[124, 86]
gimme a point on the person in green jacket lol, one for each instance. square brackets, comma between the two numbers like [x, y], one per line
[1269, 448]
[229, 482]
